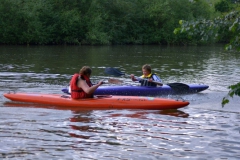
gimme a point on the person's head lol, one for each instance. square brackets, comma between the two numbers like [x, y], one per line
[85, 70]
[146, 69]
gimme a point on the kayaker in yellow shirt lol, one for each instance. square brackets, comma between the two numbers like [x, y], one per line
[148, 78]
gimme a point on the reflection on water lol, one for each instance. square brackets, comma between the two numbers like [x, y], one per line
[76, 110]
[202, 130]
[119, 134]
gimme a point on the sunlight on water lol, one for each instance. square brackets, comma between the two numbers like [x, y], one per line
[119, 133]
[202, 130]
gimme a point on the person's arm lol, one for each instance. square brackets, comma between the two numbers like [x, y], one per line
[156, 78]
[134, 78]
[89, 90]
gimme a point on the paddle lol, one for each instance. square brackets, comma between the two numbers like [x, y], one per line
[115, 81]
[177, 87]
[118, 73]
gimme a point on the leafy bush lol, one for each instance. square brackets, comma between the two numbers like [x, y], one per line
[222, 6]
[234, 90]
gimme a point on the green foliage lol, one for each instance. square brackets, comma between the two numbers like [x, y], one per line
[96, 22]
[222, 6]
[234, 30]
[10, 14]
[220, 29]
[234, 90]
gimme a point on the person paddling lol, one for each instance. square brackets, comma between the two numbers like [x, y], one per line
[148, 78]
[81, 85]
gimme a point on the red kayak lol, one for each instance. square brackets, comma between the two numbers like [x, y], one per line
[99, 102]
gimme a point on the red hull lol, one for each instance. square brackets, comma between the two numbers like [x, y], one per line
[99, 102]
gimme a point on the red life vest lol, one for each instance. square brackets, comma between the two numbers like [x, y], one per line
[77, 92]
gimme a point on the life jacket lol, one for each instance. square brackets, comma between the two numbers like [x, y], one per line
[76, 92]
[144, 81]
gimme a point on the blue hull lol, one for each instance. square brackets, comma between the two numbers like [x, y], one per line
[145, 91]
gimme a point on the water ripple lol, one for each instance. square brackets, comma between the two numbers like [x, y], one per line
[203, 130]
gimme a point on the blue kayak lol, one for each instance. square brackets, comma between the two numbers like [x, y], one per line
[177, 88]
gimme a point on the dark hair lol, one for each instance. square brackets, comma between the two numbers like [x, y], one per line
[85, 70]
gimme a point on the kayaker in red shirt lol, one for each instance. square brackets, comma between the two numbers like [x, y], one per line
[148, 78]
[81, 85]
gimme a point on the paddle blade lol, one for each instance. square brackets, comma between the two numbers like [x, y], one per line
[113, 71]
[115, 81]
[65, 90]
[179, 87]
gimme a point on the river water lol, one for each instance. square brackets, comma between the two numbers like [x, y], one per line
[202, 130]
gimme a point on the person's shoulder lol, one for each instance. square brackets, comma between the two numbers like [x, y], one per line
[156, 77]
[154, 74]
[81, 78]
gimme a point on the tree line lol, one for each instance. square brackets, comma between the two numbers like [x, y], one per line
[97, 22]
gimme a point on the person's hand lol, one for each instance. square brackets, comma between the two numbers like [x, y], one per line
[100, 83]
[132, 76]
[150, 80]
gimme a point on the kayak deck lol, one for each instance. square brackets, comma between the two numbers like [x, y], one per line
[146, 91]
[99, 102]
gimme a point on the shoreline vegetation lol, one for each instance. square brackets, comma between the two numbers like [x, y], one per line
[94, 22]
